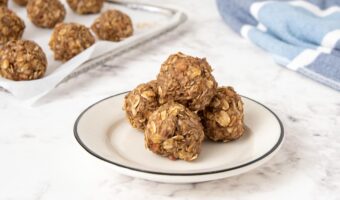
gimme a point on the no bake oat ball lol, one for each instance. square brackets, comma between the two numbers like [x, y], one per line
[22, 60]
[70, 39]
[45, 13]
[21, 2]
[175, 132]
[223, 117]
[3, 3]
[86, 6]
[140, 103]
[113, 25]
[11, 26]
[187, 80]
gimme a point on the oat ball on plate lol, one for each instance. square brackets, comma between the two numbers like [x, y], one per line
[187, 80]
[21, 2]
[113, 25]
[22, 60]
[140, 103]
[86, 6]
[11, 26]
[175, 132]
[70, 39]
[46, 13]
[223, 117]
[3, 3]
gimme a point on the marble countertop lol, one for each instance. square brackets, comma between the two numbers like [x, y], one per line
[40, 159]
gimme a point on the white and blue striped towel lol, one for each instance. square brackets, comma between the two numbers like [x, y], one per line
[302, 35]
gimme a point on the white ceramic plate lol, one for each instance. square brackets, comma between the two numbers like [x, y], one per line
[103, 131]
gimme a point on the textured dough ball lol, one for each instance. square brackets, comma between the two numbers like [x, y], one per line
[70, 39]
[187, 80]
[11, 26]
[113, 25]
[86, 6]
[21, 2]
[175, 132]
[22, 60]
[3, 3]
[46, 13]
[140, 103]
[223, 117]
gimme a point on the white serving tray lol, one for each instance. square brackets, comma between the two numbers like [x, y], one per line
[149, 22]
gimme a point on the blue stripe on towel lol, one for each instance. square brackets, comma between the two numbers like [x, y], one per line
[326, 65]
[301, 35]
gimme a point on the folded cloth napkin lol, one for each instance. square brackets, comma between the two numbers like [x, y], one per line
[304, 36]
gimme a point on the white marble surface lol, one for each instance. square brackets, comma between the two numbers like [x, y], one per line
[40, 159]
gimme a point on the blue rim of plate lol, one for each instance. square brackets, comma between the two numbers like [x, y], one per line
[276, 146]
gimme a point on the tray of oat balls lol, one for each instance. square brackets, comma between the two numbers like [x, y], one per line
[42, 42]
[181, 127]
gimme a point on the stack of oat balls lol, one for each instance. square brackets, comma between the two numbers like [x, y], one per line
[23, 59]
[182, 107]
